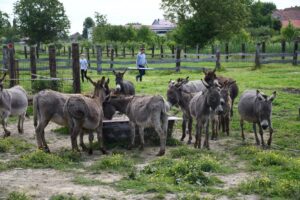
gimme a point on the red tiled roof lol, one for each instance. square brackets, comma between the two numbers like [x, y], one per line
[292, 13]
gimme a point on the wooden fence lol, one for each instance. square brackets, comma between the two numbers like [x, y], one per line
[176, 57]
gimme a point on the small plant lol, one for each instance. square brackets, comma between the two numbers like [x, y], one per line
[39, 85]
[11, 144]
[269, 158]
[116, 162]
[62, 130]
[80, 180]
[17, 196]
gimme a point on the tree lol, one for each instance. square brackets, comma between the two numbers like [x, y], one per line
[144, 34]
[202, 22]
[41, 21]
[101, 20]
[88, 23]
[289, 33]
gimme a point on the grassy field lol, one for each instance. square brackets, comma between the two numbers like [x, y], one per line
[231, 169]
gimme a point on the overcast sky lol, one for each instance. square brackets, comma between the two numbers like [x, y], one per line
[118, 12]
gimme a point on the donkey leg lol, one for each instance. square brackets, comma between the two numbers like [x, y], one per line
[255, 133]
[206, 141]
[132, 135]
[100, 138]
[142, 141]
[242, 129]
[227, 123]
[91, 139]
[190, 127]
[81, 143]
[74, 134]
[213, 133]
[40, 135]
[21, 123]
[162, 137]
[183, 125]
[261, 132]
[4, 124]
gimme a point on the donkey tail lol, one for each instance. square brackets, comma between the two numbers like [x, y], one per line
[35, 105]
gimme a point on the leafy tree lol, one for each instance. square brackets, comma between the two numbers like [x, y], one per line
[204, 21]
[4, 22]
[101, 20]
[144, 34]
[289, 33]
[88, 23]
[41, 21]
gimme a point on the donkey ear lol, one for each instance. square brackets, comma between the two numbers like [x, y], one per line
[259, 95]
[214, 70]
[205, 84]
[272, 97]
[187, 78]
[204, 71]
[107, 81]
[89, 79]
[124, 71]
[114, 72]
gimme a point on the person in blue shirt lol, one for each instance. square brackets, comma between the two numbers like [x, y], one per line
[83, 66]
[141, 63]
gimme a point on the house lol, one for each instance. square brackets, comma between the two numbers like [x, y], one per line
[75, 37]
[288, 14]
[162, 26]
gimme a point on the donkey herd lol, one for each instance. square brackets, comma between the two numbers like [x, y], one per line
[207, 101]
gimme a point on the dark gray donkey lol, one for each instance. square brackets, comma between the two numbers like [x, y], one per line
[13, 101]
[202, 105]
[144, 112]
[256, 107]
[179, 94]
[85, 113]
[123, 86]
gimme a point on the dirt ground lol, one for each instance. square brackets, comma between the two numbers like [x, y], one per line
[44, 183]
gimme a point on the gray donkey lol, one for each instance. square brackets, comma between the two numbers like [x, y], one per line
[179, 94]
[48, 106]
[123, 86]
[144, 112]
[256, 107]
[85, 113]
[13, 101]
[202, 105]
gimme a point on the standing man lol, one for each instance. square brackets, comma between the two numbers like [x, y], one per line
[83, 66]
[141, 63]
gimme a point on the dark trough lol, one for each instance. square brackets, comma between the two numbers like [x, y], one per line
[118, 130]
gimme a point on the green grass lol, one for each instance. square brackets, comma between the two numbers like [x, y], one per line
[17, 196]
[15, 145]
[68, 197]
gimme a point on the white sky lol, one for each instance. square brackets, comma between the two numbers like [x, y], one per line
[118, 12]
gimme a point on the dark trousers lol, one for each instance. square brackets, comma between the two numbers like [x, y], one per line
[142, 72]
[83, 74]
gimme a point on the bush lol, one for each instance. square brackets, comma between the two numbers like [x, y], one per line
[11, 144]
[39, 85]
[17, 196]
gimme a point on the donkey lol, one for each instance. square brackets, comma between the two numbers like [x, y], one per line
[202, 105]
[48, 106]
[256, 107]
[13, 101]
[210, 77]
[179, 94]
[123, 86]
[144, 112]
[85, 113]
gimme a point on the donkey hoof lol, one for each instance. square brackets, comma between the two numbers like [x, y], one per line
[129, 147]
[6, 134]
[104, 151]
[141, 148]
[161, 153]
[47, 150]
[189, 142]
[90, 151]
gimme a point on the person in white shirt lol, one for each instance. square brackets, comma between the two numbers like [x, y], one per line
[83, 66]
[141, 63]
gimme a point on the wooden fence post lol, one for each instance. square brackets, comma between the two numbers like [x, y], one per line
[212, 49]
[69, 52]
[64, 50]
[243, 50]
[93, 51]
[132, 51]
[173, 51]
[99, 59]
[257, 56]
[25, 51]
[184, 51]
[295, 62]
[226, 51]
[107, 51]
[263, 48]
[33, 62]
[124, 52]
[161, 51]
[11, 67]
[52, 61]
[218, 55]
[76, 68]
[178, 51]
[153, 48]
[37, 52]
[81, 51]
[17, 71]
[5, 57]
[116, 50]
[112, 58]
[283, 45]
[198, 51]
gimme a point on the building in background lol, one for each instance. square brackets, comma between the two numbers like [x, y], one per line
[162, 26]
[288, 14]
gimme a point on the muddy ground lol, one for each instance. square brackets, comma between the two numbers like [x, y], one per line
[44, 183]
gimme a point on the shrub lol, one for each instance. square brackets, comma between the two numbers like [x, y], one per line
[17, 196]
[269, 158]
[14, 145]
[39, 85]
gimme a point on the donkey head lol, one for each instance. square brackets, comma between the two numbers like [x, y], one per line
[119, 79]
[1, 81]
[101, 88]
[213, 97]
[174, 93]
[225, 95]
[264, 108]
[210, 76]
